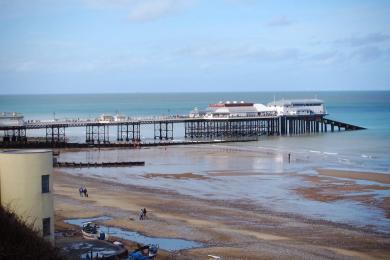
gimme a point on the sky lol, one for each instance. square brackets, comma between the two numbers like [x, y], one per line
[108, 46]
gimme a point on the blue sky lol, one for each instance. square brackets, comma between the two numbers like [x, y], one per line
[83, 46]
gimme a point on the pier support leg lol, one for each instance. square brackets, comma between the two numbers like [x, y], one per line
[55, 134]
[128, 132]
[163, 130]
[15, 135]
[97, 133]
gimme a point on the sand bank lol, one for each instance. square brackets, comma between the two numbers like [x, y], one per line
[368, 176]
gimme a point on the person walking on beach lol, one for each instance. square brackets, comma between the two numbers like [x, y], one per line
[81, 191]
[289, 157]
[144, 211]
[141, 215]
[85, 192]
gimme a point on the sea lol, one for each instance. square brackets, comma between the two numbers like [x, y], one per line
[367, 150]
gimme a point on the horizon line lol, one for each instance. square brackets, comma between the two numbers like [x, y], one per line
[191, 92]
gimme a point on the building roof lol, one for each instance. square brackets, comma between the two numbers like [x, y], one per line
[232, 110]
[263, 108]
[232, 104]
[285, 102]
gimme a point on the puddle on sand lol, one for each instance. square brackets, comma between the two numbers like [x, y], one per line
[168, 244]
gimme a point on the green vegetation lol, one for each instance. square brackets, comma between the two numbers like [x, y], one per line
[18, 240]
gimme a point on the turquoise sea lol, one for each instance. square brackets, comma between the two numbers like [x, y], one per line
[364, 150]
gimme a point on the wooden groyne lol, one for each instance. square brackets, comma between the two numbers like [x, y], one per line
[97, 164]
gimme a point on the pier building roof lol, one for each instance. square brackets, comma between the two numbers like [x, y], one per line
[232, 104]
[289, 102]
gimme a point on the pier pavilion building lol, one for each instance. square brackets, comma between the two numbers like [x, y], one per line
[298, 107]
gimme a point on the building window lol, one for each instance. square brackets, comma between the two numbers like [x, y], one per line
[46, 226]
[45, 183]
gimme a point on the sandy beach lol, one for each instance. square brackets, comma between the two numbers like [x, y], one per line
[232, 228]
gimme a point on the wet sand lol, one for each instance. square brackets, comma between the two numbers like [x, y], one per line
[335, 185]
[368, 176]
[233, 229]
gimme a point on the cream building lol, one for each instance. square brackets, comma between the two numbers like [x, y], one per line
[26, 187]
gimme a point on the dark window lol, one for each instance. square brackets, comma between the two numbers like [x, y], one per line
[46, 226]
[45, 183]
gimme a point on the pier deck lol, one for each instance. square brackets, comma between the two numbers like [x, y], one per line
[206, 129]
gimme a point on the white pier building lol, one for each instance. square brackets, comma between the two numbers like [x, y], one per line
[299, 107]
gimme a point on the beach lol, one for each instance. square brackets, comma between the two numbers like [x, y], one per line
[208, 194]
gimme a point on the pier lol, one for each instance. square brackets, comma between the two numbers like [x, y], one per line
[196, 130]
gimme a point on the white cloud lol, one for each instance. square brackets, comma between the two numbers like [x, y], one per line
[366, 54]
[328, 57]
[280, 21]
[362, 40]
[144, 10]
[243, 53]
[153, 9]
[73, 64]
[208, 54]
[110, 3]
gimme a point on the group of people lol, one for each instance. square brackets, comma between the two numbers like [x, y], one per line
[83, 191]
[142, 215]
